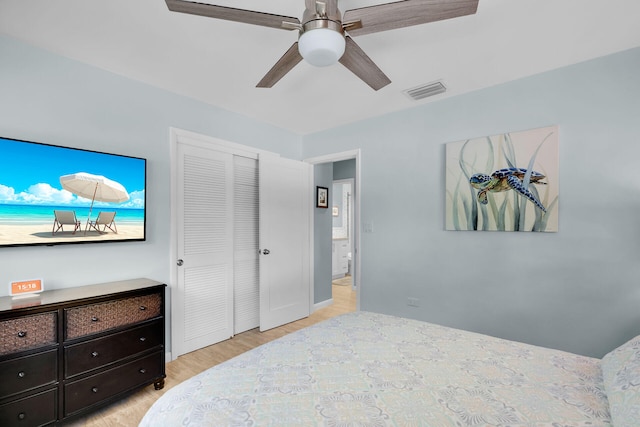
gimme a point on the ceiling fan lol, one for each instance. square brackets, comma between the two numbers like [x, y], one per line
[325, 33]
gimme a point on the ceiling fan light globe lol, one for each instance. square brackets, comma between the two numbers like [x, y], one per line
[321, 47]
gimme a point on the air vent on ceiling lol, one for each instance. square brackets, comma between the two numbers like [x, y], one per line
[426, 90]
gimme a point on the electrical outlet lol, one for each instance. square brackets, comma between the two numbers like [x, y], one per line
[413, 302]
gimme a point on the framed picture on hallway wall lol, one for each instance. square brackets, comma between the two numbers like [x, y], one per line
[322, 197]
[504, 182]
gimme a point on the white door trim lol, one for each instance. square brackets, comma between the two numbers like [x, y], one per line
[336, 157]
[176, 136]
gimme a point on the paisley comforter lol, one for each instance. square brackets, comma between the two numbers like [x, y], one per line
[366, 369]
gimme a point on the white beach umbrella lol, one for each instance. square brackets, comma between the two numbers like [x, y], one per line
[94, 187]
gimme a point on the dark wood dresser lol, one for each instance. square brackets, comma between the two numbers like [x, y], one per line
[69, 351]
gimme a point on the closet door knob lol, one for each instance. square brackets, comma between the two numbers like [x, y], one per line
[180, 262]
[266, 252]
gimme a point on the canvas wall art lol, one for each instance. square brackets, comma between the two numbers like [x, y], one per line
[505, 182]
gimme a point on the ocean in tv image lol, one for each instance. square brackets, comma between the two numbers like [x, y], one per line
[38, 179]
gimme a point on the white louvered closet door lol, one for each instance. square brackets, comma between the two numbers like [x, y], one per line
[204, 246]
[246, 290]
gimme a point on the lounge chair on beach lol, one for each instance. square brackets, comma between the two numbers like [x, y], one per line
[106, 220]
[65, 218]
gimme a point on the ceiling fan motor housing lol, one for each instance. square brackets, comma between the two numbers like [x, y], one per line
[321, 42]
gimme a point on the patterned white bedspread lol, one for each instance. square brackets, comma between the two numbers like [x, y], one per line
[366, 369]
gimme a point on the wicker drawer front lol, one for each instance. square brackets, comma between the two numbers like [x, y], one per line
[25, 373]
[28, 332]
[94, 318]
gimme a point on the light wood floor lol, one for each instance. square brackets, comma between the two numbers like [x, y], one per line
[130, 411]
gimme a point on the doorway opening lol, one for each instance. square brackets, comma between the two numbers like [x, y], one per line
[344, 235]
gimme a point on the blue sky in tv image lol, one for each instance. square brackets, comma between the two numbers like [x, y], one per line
[30, 182]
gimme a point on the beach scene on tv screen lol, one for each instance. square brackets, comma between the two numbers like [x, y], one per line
[51, 194]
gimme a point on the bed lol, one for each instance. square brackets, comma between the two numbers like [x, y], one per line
[368, 369]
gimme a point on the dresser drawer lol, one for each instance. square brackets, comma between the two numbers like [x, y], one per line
[36, 410]
[93, 318]
[94, 389]
[98, 352]
[25, 373]
[27, 332]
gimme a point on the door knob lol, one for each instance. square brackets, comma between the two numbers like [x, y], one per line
[266, 252]
[180, 262]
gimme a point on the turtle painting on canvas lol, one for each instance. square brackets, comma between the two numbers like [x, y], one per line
[506, 179]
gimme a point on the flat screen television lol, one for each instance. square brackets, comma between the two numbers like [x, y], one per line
[51, 195]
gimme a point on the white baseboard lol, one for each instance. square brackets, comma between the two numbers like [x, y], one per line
[323, 304]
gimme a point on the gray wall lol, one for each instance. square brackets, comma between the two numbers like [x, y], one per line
[576, 289]
[344, 169]
[322, 253]
[47, 98]
[336, 201]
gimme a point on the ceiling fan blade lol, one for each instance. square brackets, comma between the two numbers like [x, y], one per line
[406, 13]
[233, 14]
[362, 66]
[285, 64]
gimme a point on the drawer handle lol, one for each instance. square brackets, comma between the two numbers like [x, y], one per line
[143, 339]
[22, 334]
[21, 374]
[22, 416]
[94, 354]
[94, 319]
[143, 308]
[142, 371]
[94, 389]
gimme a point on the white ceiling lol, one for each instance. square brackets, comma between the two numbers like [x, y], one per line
[220, 62]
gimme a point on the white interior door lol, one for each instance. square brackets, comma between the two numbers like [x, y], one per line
[284, 240]
[204, 247]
